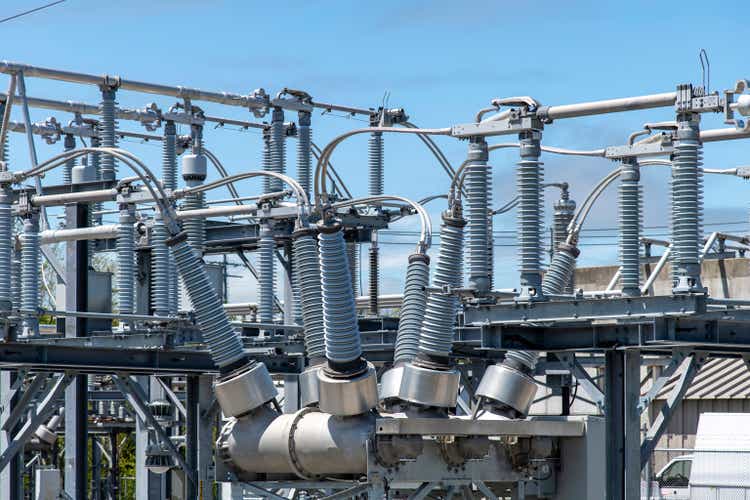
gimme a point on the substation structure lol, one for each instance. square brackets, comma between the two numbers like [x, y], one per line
[305, 397]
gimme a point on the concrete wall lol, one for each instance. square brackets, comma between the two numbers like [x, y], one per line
[725, 278]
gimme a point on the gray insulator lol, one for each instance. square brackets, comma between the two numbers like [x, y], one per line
[195, 227]
[17, 274]
[30, 269]
[296, 299]
[107, 127]
[560, 270]
[339, 313]
[687, 202]
[307, 272]
[527, 359]
[278, 152]
[6, 247]
[376, 163]
[412, 308]
[374, 284]
[476, 182]
[266, 274]
[563, 214]
[352, 254]
[160, 268]
[169, 156]
[169, 178]
[436, 337]
[490, 252]
[529, 180]
[68, 145]
[630, 228]
[94, 160]
[266, 163]
[304, 162]
[4, 151]
[126, 259]
[223, 343]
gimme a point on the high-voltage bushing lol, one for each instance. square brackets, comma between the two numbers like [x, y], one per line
[69, 143]
[30, 266]
[47, 433]
[82, 173]
[126, 258]
[307, 271]
[6, 248]
[529, 176]
[348, 384]
[477, 182]
[630, 227]
[508, 387]
[352, 256]
[194, 171]
[560, 272]
[376, 184]
[564, 209]
[429, 379]
[409, 324]
[160, 267]
[107, 131]
[16, 273]
[244, 384]
[169, 178]
[266, 273]
[304, 142]
[277, 149]
[687, 204]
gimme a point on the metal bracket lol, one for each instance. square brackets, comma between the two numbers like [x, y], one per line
[511, 125]
[580, 373]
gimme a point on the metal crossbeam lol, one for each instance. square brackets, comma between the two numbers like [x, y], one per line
[264, 493]
[347, 493]
[44, 410]
[423, 491]
[22, 405]
[137, 399]
[675, 397]
[173, 398]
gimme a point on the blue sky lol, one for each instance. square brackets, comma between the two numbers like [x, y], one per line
[441, 60]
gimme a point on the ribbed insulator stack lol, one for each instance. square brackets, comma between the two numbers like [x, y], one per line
[564, 209]
[376, 163]
[107, 135]
[304, 142]
[307, 272]
[266, 274]
[687, 204]
[412, 308]
[30, 269]
[17, 275]
[160, 268]
[342, 340]
[352, 255]
[194, 171]
[630, 228]
[278, 150]
[529, 176]
[560, 272]
[374, 284]
[126, 259]
[69, 143]
[169, 178]
[223, 343]
[436, 338]
[94, 160]
[478, 198]
[6, 247]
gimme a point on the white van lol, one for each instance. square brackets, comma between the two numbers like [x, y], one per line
[718, 468]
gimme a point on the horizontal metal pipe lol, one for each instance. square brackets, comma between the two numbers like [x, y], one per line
[611, 106]
[216, 212]
[97, 315]
[84, 233]
[724, 134]
[46, 200]
[226, 98]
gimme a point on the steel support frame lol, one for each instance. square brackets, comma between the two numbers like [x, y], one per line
[76, 406]
[660, 423]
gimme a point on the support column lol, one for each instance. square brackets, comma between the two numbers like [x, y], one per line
[530, 176]
[76, 407]
[630, 227]
[199, 436]
[622, 390]
[478, 192]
